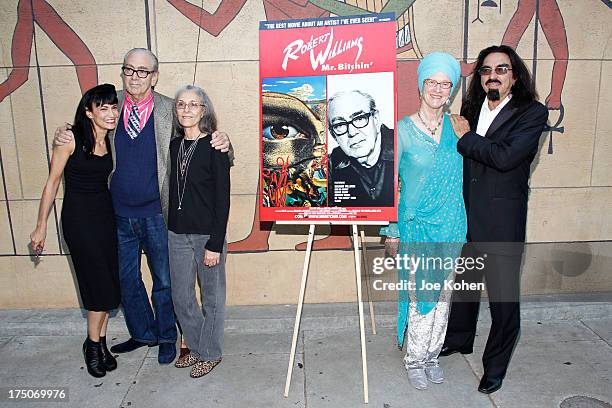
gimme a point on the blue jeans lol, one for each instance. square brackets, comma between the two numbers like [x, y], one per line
[151, 235]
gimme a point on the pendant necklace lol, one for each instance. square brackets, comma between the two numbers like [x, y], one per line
[432, 131]
[183, 159]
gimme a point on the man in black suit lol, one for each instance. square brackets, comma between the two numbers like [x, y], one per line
[499, 131]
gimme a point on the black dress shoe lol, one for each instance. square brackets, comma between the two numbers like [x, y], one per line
[109, 360]
[127, 346]
[447, 351]
[92, 351]
[489, 385]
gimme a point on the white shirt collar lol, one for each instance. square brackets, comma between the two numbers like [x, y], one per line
[485, 105]
[487, 115]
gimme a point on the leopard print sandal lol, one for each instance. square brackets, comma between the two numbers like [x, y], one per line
[201, 368]
[186, 361]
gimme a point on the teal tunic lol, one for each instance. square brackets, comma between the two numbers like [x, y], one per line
[431, 214]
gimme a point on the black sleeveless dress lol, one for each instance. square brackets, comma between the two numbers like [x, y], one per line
[88, 224]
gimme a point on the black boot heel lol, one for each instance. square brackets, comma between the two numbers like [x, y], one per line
[110, 362]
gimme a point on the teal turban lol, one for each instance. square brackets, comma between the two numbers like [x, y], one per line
[439, 62]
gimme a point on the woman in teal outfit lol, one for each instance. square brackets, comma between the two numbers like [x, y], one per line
[431, 217]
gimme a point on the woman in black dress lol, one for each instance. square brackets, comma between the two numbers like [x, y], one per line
[88, 221]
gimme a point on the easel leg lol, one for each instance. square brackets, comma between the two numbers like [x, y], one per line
[364, 363]
[298, 314]
[367, 275]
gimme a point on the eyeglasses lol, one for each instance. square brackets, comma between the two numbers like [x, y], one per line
[359, 122]
[432, 84]
[141, 73]
[499, 70]
[180, 105]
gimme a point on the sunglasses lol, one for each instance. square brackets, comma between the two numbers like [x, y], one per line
[499, 70]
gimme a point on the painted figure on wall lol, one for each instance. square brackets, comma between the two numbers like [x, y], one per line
[549, 16]
[62, 35]
[545, 13]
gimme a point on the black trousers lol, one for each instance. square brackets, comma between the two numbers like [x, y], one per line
[502, 277]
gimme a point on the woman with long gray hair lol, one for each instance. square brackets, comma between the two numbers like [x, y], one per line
[197, 221]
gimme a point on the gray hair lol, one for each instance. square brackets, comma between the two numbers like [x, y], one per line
[144, 51]
[208, 123]
[364, 94]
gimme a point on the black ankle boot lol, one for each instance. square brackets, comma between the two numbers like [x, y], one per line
[92, 350]
[110, 362]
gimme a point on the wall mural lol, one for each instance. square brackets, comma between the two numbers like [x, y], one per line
[62, 35]
[540, 16]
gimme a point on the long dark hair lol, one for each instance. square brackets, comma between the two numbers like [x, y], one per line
[523, 90]
[82, 127]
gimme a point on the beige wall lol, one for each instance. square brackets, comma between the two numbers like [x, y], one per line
[571, 198]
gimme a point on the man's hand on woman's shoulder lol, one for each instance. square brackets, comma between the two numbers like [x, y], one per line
[460, 125]
[63, 135]
[220, 141]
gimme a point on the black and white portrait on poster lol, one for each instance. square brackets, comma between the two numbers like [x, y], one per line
[360, 112]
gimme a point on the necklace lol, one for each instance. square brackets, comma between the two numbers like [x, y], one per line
[183, 159]
[432, 131]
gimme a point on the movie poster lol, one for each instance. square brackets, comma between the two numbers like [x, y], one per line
[328, 120]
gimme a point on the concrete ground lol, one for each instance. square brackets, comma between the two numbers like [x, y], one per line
[564, 359]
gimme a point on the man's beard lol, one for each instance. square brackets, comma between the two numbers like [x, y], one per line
[493, 94]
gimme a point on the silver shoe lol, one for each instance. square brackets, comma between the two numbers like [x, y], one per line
[434, 373]
[417, 378]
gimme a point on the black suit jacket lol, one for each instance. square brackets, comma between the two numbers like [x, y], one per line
[496, 171]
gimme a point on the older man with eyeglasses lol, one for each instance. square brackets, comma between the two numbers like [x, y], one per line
[139, 187]
[361, 167]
